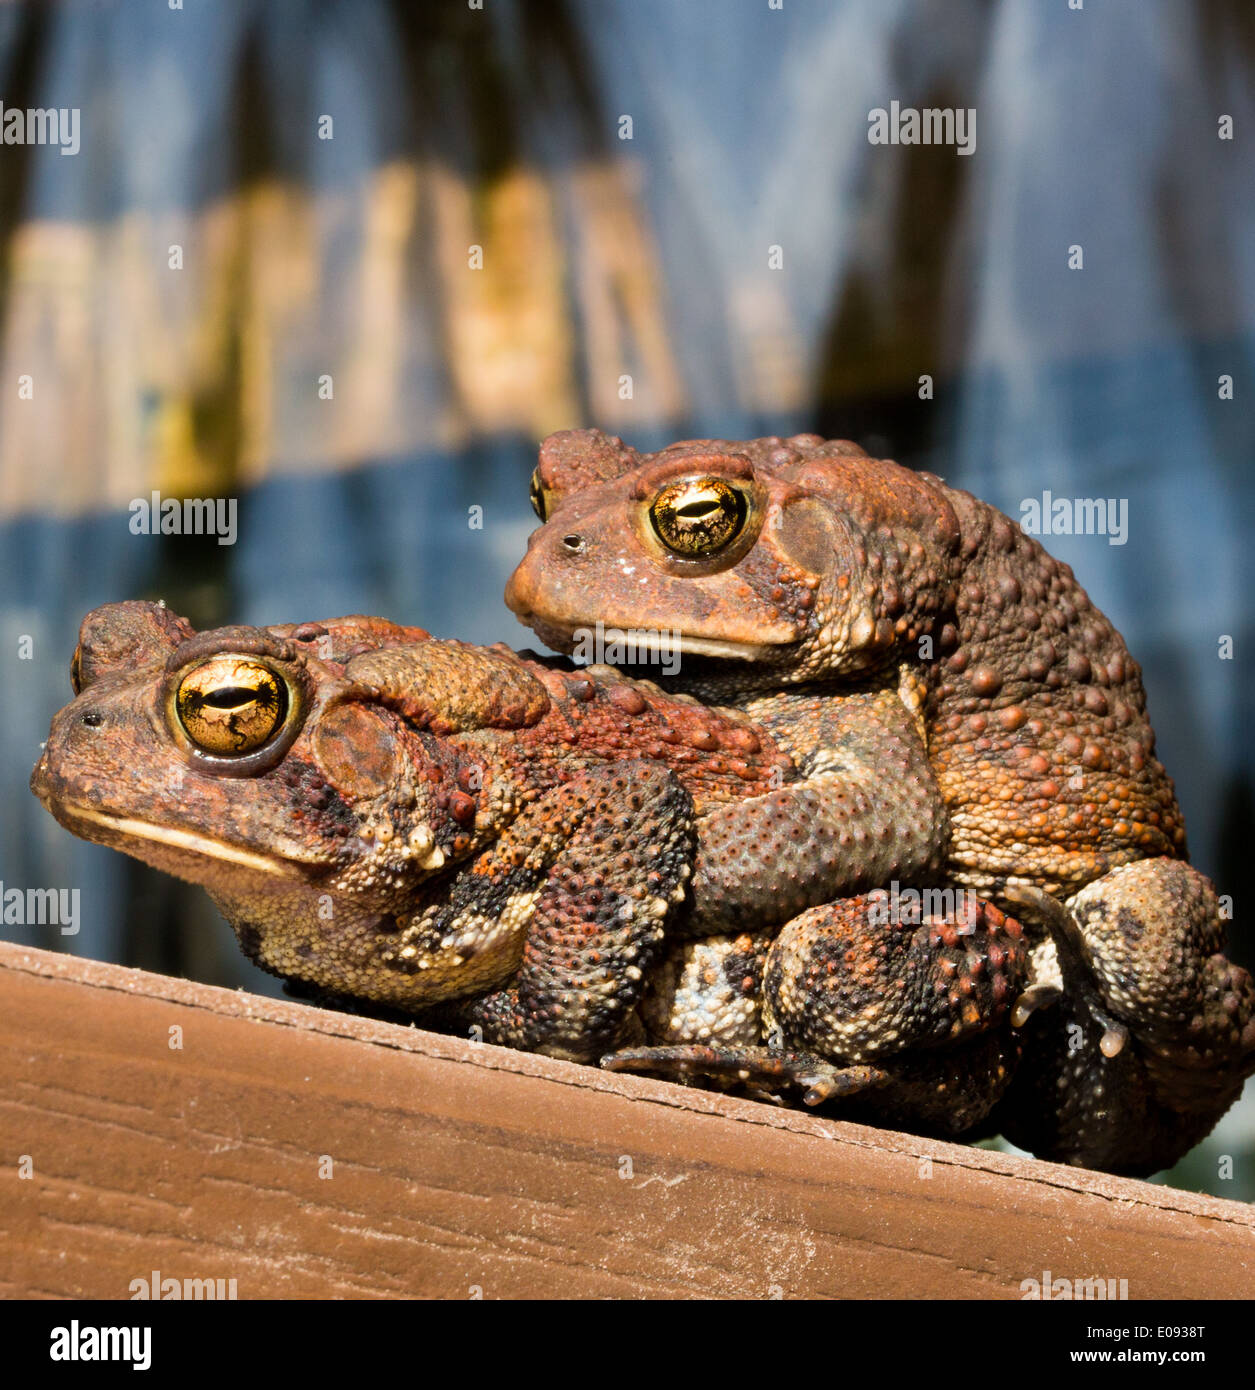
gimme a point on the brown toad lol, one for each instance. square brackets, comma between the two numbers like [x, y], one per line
[428, 824]
[849, 605]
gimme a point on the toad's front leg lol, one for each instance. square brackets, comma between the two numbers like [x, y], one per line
[588, 879]
[865, 810]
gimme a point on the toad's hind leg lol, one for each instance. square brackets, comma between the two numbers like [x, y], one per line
[907, 1020]
[610, 854]
[1155, 1033]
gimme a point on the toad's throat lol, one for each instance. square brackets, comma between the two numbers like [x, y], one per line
[182, 840]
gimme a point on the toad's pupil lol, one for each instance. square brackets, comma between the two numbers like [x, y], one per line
[233, 696]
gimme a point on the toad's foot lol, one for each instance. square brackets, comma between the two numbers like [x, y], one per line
[1076, 965]
[1155, 1031]
[764, 1068]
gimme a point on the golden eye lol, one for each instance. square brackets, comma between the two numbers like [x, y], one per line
[76, 671]
[698, 516]
[536, 495]
[231, 704]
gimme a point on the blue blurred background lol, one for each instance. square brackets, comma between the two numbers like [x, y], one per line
[277, 201]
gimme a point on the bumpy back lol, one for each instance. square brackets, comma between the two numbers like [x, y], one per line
[1038, 728]
[848, 566]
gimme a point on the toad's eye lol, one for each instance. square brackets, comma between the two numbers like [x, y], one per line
[536, 493]
[231, 705]
[76, 671]
[698, 516]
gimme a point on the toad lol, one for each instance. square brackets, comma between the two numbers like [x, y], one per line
[954, 704]
[479, 839]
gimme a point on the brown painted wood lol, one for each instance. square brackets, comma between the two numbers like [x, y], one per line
[459, 1170]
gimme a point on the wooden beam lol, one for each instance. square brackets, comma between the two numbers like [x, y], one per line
[204, 1134]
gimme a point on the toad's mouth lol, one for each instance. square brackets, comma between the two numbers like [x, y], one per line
[592, 639]
[126, 828]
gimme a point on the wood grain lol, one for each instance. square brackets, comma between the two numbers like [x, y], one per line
[458, 1171]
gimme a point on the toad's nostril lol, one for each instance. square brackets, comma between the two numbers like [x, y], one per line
[93, 718]
[573, 542]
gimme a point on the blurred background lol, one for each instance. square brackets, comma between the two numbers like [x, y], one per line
[346, 263]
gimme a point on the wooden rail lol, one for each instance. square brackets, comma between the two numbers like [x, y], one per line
[151, 1124]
